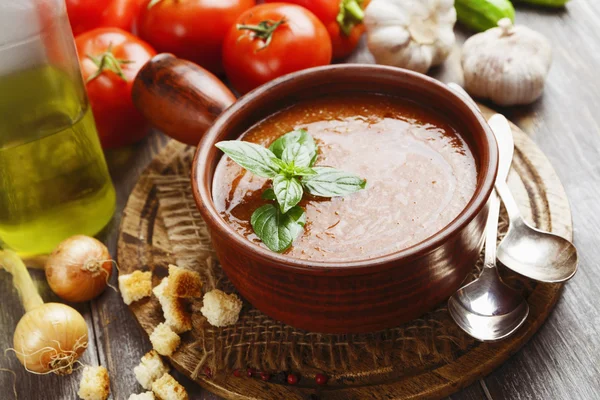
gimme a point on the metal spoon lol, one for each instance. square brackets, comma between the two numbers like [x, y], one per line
[531, 252]
[487, 308]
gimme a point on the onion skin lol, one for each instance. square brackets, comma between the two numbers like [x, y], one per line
[79, 268]
[58, 330]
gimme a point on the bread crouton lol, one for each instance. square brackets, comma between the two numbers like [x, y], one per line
[142, 396]
[173, 309]
[135, 286]
[164, 340]
[95, 384]
[183, 283]
[167, 388]
[220, 308]
[150, 369]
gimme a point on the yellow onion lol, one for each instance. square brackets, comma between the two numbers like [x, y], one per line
[49, 337]
[79, 269]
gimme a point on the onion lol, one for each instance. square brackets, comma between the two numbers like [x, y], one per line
[79, 269]
[49, 337]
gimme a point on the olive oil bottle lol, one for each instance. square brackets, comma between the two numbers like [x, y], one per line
[54, 181]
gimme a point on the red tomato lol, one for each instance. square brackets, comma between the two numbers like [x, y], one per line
[121, 56]
[271, 40]
[342, 18]
[190, 29]
[86, 15]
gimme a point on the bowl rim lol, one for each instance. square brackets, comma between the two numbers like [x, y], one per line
[201, 187]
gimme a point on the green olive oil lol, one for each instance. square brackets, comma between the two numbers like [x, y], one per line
[54, 182]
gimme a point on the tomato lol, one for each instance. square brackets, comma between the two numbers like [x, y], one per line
[86, 15]
[110, 59]
[271, 40]
[342, 18]
[190, 29]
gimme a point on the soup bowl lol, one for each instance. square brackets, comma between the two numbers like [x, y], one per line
[361, 295]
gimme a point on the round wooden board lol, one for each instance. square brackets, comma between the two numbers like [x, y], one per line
[144, 244]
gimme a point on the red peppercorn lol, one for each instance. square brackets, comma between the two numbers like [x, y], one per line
[237, 373]
[292, 379]
[207, 372]
[321, 379]
[250, 372]
[265, 376]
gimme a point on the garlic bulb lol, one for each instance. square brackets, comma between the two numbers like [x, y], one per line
[507, 64]
[413, 34]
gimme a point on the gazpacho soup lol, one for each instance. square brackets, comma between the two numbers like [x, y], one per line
[420, 175]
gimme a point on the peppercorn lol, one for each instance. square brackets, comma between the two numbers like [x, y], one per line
[321, 379]
[292, 379]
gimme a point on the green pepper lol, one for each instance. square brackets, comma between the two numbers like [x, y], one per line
[545, 3]
[481, 15]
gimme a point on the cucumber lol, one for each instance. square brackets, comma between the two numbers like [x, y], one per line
[545, 3]
[481, 15]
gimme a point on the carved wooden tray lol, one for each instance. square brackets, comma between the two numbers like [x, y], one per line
[405, 371]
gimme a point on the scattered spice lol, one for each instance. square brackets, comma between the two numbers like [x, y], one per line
[292, 379]
[321, 379]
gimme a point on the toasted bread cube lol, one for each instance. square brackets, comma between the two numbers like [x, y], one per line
[167, 388]
[95, 384]
[150, 369]
[183, 283]
[142, 396]
[220, 308]
[164, 340]
[135, 286]
[173, 309]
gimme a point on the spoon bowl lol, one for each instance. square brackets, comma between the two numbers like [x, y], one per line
[488, 309]
[536, 254]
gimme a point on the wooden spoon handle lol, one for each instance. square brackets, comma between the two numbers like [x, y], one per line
[179, 97]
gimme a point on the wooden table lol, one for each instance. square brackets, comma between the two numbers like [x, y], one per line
[562, 361]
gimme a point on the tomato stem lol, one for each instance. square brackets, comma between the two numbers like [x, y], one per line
[263, 30]
[351, 14]
[108, 62]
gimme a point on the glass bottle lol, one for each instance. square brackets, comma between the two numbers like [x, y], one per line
[54, 181]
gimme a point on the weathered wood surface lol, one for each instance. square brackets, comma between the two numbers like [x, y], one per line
[562, 361]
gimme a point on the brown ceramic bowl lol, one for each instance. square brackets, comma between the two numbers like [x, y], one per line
[355, 296]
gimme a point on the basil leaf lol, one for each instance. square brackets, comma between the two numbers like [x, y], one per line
[298, 216]
[288, 192]
[277, 230]
[330, 182]
[297, 155]
[300, 136]
[269, 194]
[253, 157]
[303, 171]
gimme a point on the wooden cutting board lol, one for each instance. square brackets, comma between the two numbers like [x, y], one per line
[144, 243]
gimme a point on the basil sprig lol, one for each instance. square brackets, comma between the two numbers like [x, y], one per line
[289, 163]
